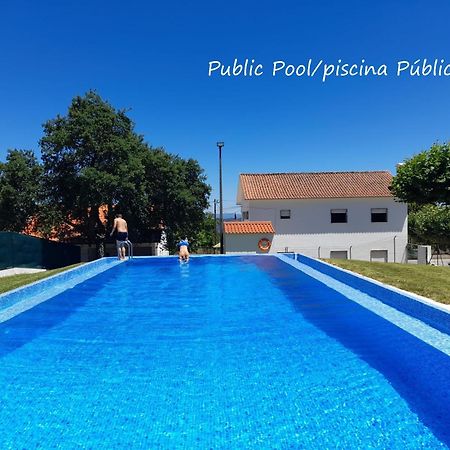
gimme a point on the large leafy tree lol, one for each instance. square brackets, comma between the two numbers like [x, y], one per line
[179, 194]
[424, 182]
[20, 188]
[425, 178]
[207, 236]
[430, 224]
[94, 161]
[92, 158]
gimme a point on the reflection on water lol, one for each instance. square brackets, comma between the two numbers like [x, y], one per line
[184, 269]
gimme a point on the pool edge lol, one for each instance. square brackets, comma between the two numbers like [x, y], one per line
[25, 297]
[413, 296]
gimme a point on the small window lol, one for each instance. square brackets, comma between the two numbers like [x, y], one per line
[245, 215]
[285, 214]
[338, 216]
[379, 214]
[378, 255]
[338, 254]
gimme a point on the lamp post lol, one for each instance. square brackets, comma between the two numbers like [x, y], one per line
[215, 219]
[220, 145]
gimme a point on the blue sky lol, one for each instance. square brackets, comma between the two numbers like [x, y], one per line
[152, 57]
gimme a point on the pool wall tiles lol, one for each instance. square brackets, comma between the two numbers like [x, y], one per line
[42, 290]
[435, 316]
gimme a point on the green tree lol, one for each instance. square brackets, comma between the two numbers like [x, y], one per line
[179, 195]
[94, 158]
[20, 187]
[425, 178]
[424, 182]
[207, 235]
[430, 224]
[174, 197]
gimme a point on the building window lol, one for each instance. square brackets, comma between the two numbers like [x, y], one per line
[338, 216]
[285, 214]
[378, 255]
[245, 215]
[338, 254]
[379, 214]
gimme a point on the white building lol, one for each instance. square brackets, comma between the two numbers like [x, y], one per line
[329, 214]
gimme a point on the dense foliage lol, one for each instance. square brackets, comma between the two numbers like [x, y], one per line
[178, 194]
[424, 182]
[94, 159]
[207, 236]
[20, 187]
[430, 224]
[425, 178]
[94, 166]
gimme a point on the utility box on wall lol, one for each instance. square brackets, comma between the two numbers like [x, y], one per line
[423, 254]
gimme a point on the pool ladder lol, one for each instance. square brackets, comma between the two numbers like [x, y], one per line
[129, 245]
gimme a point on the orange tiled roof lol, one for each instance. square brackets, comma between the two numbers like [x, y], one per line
[282, 186]
[248, 227]
[31, 228]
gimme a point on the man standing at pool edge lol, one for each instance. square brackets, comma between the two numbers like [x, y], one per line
[121, 226]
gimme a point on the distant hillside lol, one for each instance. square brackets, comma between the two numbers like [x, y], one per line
[231, 216]
[228, 216]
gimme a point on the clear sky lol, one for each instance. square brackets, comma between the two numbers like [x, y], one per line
[152, 57]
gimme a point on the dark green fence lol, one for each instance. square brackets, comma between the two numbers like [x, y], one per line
[19, 250]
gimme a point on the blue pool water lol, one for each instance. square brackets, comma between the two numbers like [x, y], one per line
[233, 352]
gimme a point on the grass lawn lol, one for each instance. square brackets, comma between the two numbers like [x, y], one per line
[429, 281]
[15, 281]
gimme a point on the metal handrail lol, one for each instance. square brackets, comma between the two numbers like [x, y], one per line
[129, 244]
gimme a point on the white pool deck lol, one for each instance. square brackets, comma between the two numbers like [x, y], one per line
[18, 271]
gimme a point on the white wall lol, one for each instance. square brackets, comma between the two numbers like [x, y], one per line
[310, 231]
[89, 252]
[244, 243]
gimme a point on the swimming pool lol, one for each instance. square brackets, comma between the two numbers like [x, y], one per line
[223, 352]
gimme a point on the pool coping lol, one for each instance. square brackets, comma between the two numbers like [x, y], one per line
[420, 308]
[413, 296]
[25, 297]
[418, 325]
[56, 275]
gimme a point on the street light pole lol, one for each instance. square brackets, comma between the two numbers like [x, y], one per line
[215, 220]
[220, 145]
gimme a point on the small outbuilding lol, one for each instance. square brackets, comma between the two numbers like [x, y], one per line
[248, 237]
